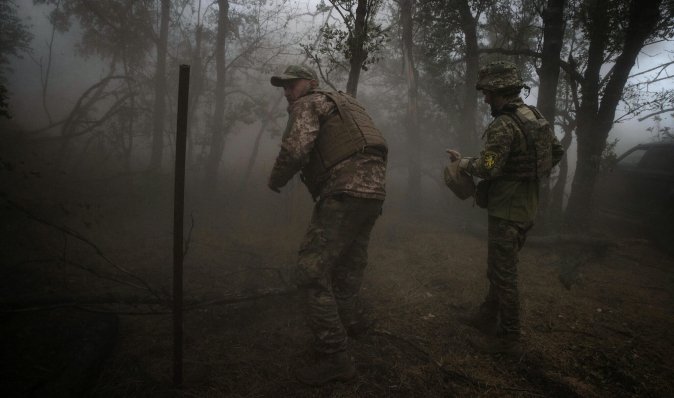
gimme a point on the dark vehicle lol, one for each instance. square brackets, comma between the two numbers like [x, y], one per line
[640, 189]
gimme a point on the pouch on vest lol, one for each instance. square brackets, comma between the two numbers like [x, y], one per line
[482, 193]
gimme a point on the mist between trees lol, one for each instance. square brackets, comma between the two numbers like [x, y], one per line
[412, 63]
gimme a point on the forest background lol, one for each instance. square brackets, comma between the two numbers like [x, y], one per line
[98, 81]
[88, 97]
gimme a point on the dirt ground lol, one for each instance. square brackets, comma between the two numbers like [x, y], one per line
[597, 315]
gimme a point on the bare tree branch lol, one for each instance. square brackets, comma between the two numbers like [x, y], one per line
[655, 113]
[662, 67]
[84, 240]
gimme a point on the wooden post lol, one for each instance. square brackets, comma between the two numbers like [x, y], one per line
[178, 213]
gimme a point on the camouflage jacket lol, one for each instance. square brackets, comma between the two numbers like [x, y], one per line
[514, 199]
[502, 138]
[361, 175]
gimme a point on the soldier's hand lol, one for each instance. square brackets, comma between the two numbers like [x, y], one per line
[454, 155]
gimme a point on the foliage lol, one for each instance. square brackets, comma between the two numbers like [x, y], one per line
[14, 40]
[338, 40]
[504, 25]
[611, 20]
[512, 24]
[608, 22]
[647, 97]
[260, 38]
[4, 106]
[441, 47]
[112, 29]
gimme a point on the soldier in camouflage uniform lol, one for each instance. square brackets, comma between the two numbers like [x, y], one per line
[520, 147]
[341, 157]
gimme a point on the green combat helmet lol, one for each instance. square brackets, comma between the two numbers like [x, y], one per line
[499, 76]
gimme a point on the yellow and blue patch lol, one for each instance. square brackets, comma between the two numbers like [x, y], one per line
[489, 159]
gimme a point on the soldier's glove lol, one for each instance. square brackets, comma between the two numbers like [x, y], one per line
[454, 155]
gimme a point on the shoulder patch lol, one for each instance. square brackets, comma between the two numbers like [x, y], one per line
[489, 160]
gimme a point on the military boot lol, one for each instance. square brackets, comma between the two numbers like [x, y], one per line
[361, 326]
[328, 367]
[358, 320]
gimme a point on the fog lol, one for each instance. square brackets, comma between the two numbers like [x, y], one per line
[71, 74]
[88, 211]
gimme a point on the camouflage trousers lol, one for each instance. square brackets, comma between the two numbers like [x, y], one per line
[331, 263]
[506, 238]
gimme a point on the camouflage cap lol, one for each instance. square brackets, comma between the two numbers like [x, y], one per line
[499, 75]
[294, 72]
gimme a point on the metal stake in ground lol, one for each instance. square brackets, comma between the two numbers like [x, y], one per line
[178, 212]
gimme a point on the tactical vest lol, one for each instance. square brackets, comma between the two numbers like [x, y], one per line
[536, 161]
[342, 134]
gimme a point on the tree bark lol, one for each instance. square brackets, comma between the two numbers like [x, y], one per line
[556, 204]
[553, 36]
[595, 117]
[196, 83]
[586, 135]
[160, 89]
[358, 53]
[467, 135]
[411, 117]
[219, 131]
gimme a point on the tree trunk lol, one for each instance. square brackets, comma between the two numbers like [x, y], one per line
[130, 118]
[196, 85]
[587, 163]
[218, 133]
[553, 36]
[411, 117]
[468, 138]
[160, 89]
[556, 204]
[358, 53]
[256, 144]
[595, 119]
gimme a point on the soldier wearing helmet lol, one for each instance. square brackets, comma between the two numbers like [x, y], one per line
[341, 156]
[500, 76]
[519, 149]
